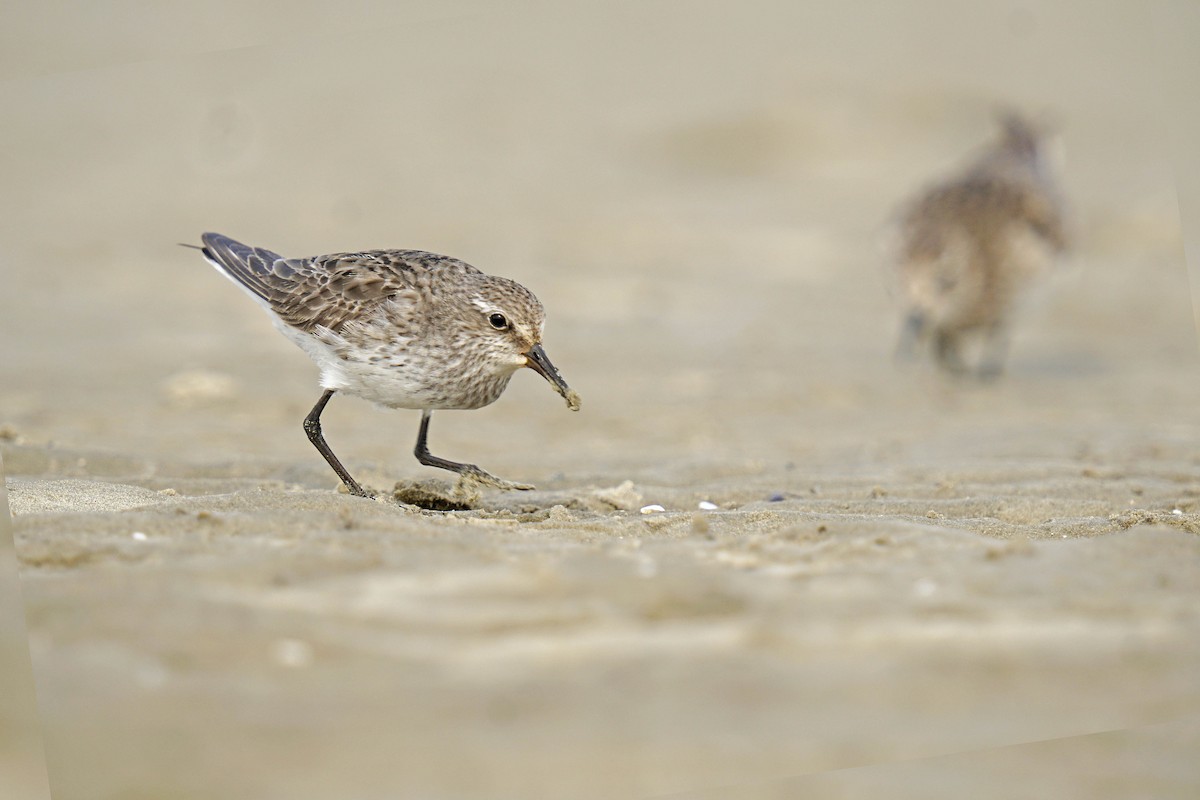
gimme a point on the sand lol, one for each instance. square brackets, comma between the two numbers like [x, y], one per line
[930, 585]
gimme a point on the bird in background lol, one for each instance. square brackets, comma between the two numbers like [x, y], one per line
[400, 328]
[973, 245]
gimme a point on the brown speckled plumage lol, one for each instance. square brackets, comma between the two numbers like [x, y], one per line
[972, 245]
[401, 328]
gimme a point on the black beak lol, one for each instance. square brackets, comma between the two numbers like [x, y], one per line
[537, 360]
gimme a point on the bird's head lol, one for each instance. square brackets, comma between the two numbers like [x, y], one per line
[509, 322]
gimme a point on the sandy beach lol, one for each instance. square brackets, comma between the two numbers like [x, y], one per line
[930, 587]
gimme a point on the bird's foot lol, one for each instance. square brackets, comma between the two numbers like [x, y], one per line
[358, 491]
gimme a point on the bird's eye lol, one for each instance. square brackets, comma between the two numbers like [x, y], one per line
[499, 321]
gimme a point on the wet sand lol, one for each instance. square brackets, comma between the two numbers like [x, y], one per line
[977, 580]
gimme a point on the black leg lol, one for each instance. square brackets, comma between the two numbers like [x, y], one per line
[911, 334]
[995, 350]
[312, 426]
[945, 348]
[421, 451]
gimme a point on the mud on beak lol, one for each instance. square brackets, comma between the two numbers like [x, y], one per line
[537, 360]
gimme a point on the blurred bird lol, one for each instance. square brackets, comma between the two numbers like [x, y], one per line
[971, 246]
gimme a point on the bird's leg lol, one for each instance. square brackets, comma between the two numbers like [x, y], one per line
[421, 451]
[312, 426]
[995, 348]
[911, 334]
[945, 348]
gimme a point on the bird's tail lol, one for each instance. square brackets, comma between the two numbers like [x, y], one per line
[257, 270]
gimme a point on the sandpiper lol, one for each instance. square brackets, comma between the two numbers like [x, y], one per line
[401, 328]
[972, 245]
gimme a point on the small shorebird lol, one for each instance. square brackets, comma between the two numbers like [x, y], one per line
[972, 245]
[401, 328]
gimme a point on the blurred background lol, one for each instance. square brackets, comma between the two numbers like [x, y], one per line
[700, 195]
[701, 200]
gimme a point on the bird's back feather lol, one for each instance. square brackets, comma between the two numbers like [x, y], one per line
[328, 291]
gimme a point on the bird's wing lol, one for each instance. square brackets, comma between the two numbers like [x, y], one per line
[327, 291]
